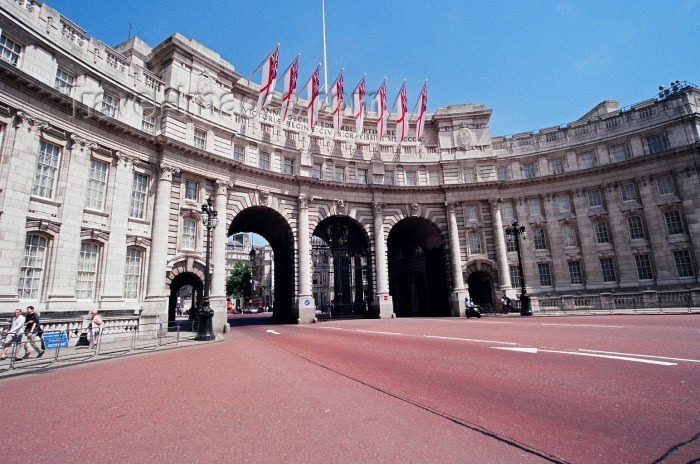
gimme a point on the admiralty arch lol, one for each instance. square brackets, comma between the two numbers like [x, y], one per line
[107, 154]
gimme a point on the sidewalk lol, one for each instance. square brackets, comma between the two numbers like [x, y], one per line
[601, 312]
[72, 355]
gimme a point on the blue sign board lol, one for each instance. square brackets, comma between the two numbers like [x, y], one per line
[55, 340]
[307, 302]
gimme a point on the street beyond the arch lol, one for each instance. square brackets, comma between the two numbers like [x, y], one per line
[573, 389]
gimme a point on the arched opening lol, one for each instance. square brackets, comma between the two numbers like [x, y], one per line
[417, 278]
[185, 296]
[341, 280]
[271, 225]
[481, 288]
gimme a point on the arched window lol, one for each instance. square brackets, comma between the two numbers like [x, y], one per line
[87, 271]
[132, 273]
[32, 271]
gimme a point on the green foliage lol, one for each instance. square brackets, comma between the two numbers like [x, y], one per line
[238, 281]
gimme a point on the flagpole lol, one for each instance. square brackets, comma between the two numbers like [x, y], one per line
[397, 97]
[263, 61]
[290, 65]
[339, 74]
[420, 95]
[325, 60]
[358, 84]
[310, 76]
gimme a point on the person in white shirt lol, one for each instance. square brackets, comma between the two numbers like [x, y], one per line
[14, 335]
[95, 328]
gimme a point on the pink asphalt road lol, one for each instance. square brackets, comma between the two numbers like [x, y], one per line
[401, 390]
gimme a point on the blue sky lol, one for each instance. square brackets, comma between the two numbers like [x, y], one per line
[535, 63]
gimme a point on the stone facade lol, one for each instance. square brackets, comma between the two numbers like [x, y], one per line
[108, 153]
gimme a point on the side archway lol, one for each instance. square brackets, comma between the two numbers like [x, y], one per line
[417, 277]
[482, 279]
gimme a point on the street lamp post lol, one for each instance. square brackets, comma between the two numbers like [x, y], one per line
[513, 234]
[210, 220]
[252, 271]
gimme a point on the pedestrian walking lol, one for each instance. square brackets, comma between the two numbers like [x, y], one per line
[95, 328]
[32, 331]
[509, 305]
[14, 335]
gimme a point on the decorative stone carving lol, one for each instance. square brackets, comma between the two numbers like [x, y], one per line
[100, 235]
[414, 209]
[340, 206]
[303, 202]
[222, 186]
[264, 196]
[463, 138]
[204, 96]
[495, 203]
[377, 207]
[128, 161]
[135, 240]
[167, 171]
[83, 143]
[42, 225]
[31, 122]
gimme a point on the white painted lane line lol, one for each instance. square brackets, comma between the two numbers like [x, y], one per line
[642, 355]
[593, 355]
[469, 340]
[326, 327]
[377, 332]
[589, 325]
[272, 332]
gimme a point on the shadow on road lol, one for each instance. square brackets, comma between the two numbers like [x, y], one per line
[240, 320]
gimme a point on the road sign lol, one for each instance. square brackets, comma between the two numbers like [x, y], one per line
[55, 340]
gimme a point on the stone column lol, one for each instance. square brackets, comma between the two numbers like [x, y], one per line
[459, 292]
[305, 301]
[505, 285]
[156, 290]
[217, 294]
[113, 294]
[383, 305]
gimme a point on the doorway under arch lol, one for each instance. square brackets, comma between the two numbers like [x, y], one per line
[189, 287]
[342, 278]
[417, 277]
[481, 288]
[271, 225]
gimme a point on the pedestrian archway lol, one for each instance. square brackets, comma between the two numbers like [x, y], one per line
[481, 288]
[271, 225]
[417, 277]
[341, 280]
[185, 295]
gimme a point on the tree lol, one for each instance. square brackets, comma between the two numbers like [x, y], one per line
[238, 281]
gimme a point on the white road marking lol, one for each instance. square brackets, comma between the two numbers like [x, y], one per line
[621, 358]
[326, 327]
[642, 355]
[377, 332]
[272, 332]
[589, 325]
[469, 340]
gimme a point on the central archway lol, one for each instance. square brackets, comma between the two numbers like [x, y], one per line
[342, 283]
[271, 225]
[417, 278]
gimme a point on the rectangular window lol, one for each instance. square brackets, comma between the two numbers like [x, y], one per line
[587, 160]
[64, 82]
[643, 263]
[288, 167]
[539, 239]
[137, 208]
[569, 235]
[647, 112]
[628, 192]
[200, 139]
[87, 271]
[32, 270]
[132, 273]
[601, 232]
[362, 176]
[474, 244]
[613, 122]
[552, 136]
[684, 266]
[148, 124]
[388, 177]
[191, 190]
[472, 213]
[507, 212]
[619, 152]
[674, 222]
[264, 161]
[9, 50]
[534, 206]
[575, 272]
[316, 171]
[557, 166]
[545, 274]
[189, 230]
[339, 174]
[580, 130]
[607, 268]
[657, 143]
[97, 183]
[410, 178]
[664, 185]
[595, 198]
[502, 173]
[511, 246]
[110, 105]
[239, 153]
[515, 276]
[46, 168]
[564, 202]
[434, 178]
[530, 170]
[635, 227]
[468, 175]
